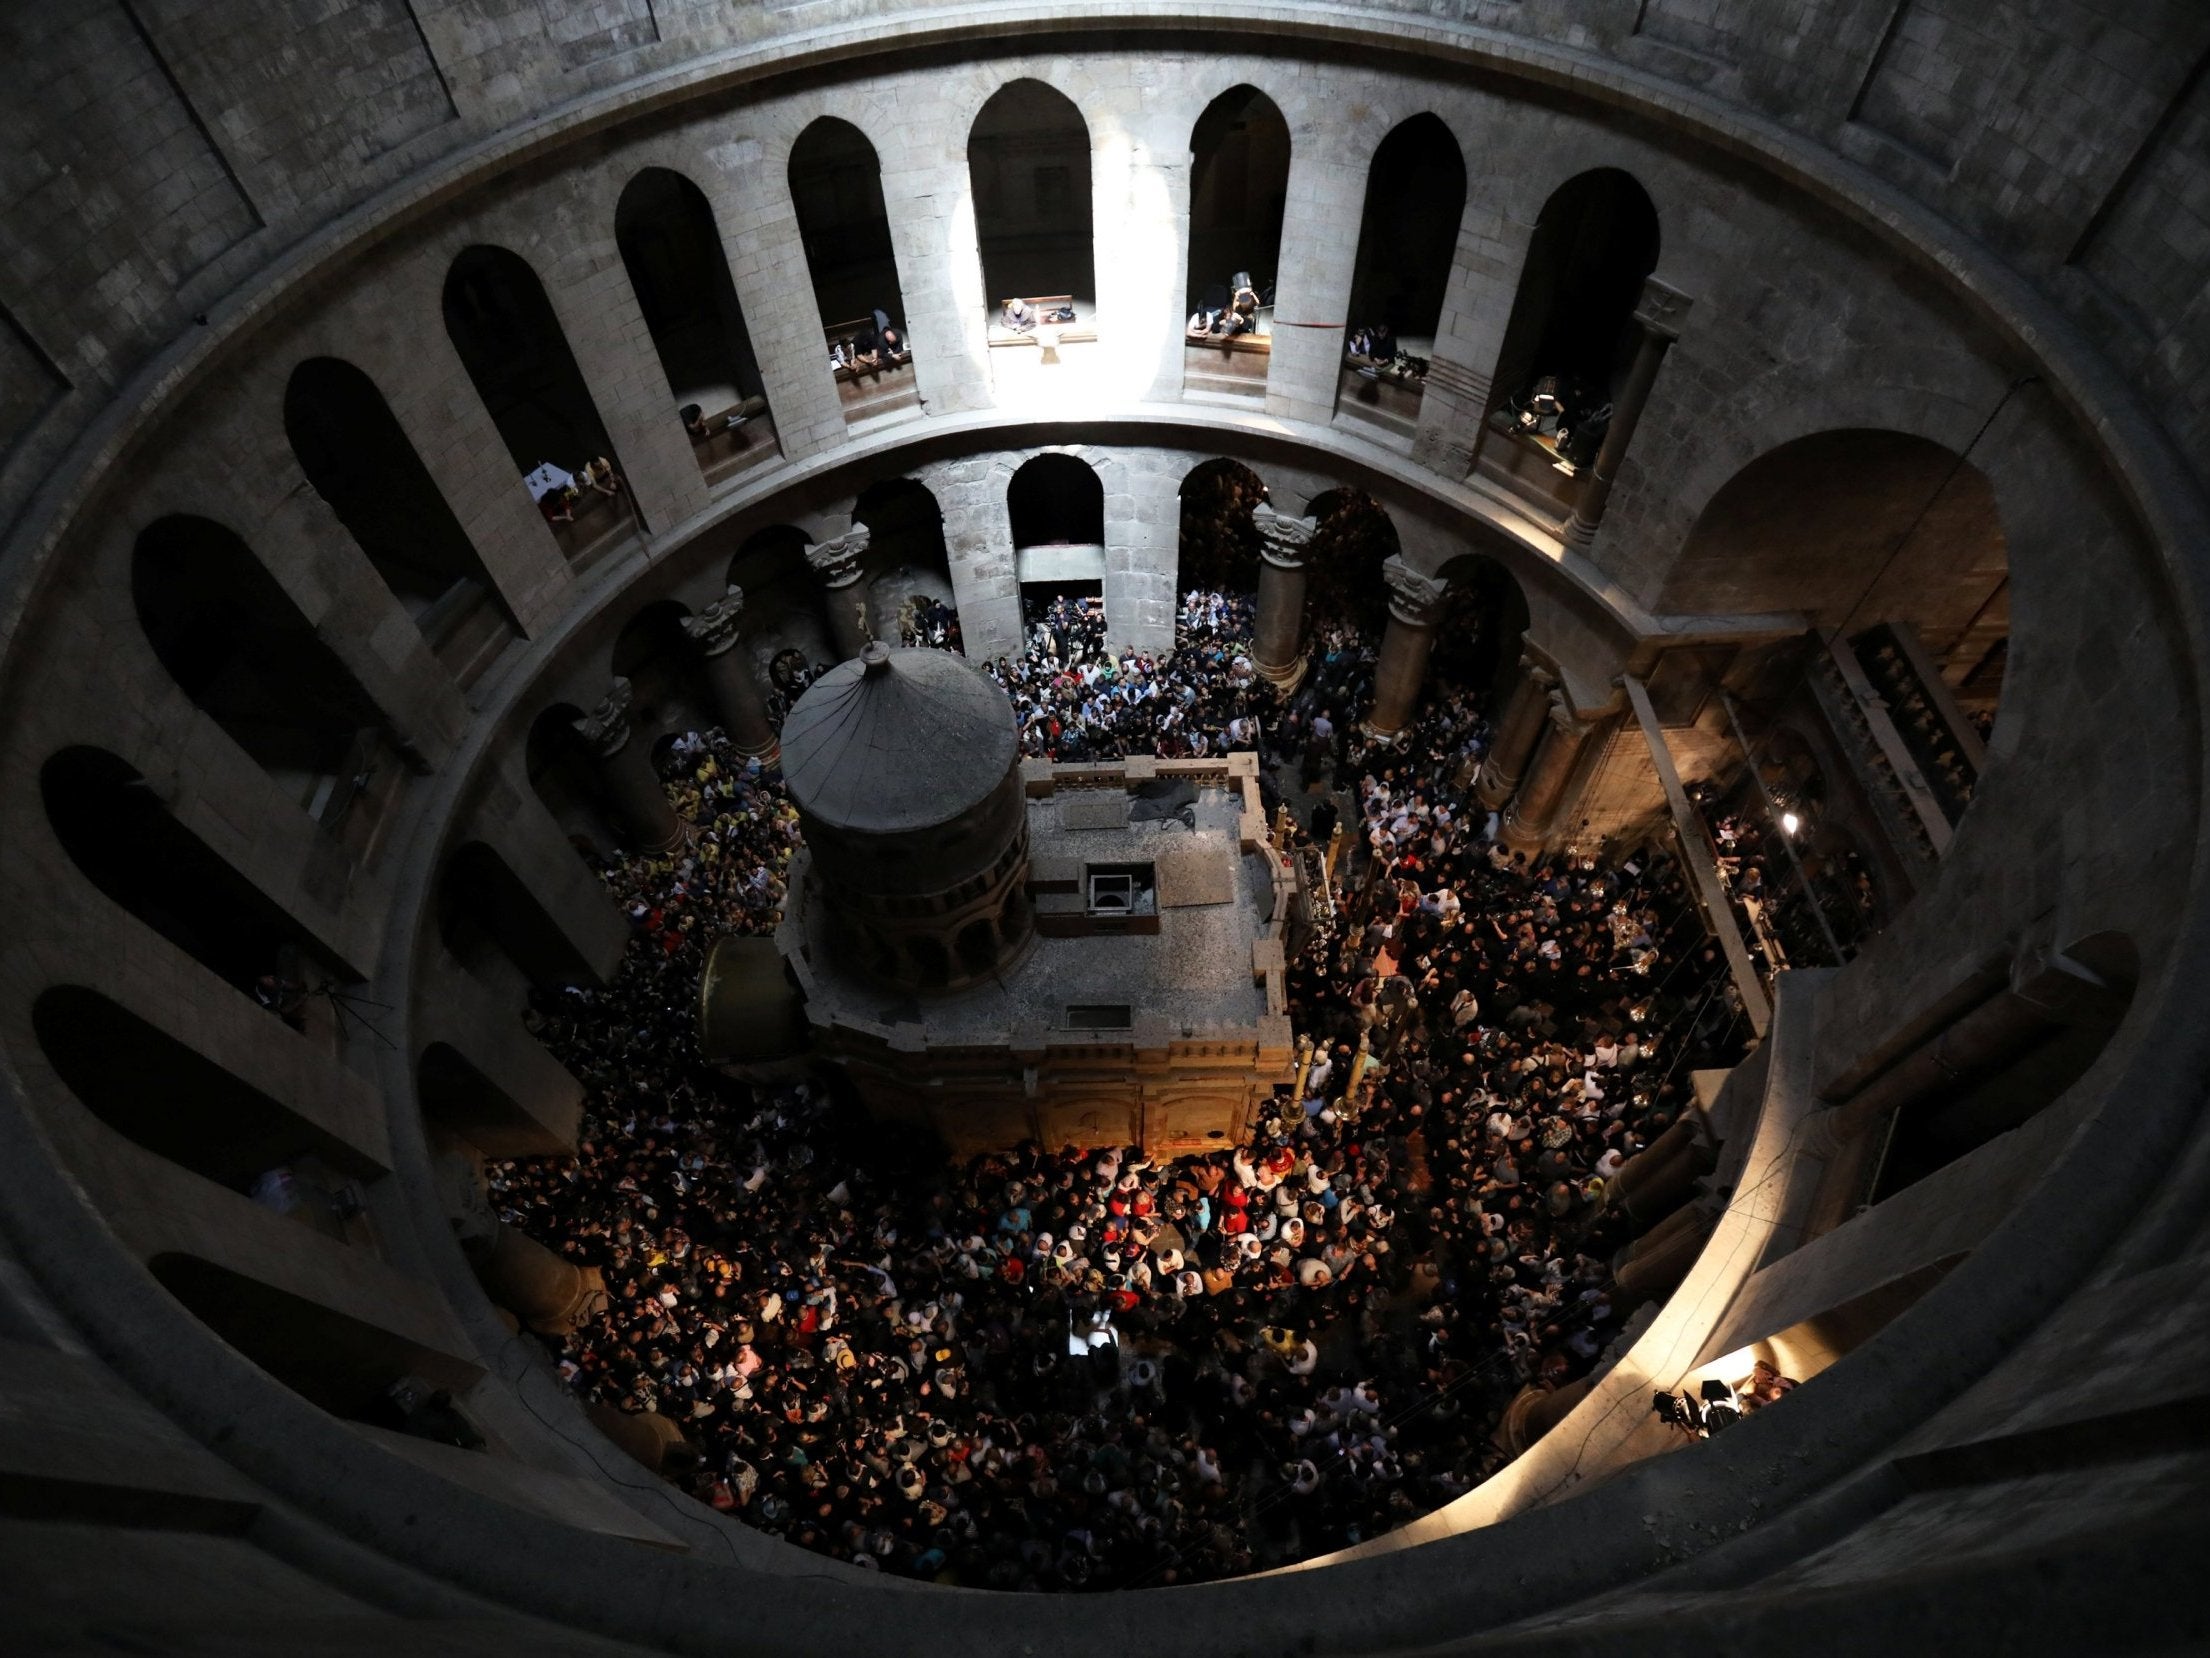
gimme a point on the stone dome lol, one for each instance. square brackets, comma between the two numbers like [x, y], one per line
[897, 740]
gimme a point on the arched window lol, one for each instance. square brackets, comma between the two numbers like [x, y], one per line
[1238, 185]
[236, 644]
[672, 250]
[352, 450]
[978, 949]
[1407, 244]
[1571, 338]
[1028, 162]
[1056, 505]
[124, 841]
[836, 191]
[201, 1117]
[514, 349]
[910, 596]
[1219, 549]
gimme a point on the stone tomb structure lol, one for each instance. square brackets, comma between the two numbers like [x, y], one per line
[1004, 950]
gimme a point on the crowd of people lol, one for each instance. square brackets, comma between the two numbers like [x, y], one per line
[1052, 1368]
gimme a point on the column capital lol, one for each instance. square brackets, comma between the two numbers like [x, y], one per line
[1662, 310]
[1414, 599]
[1282, 540]
[1561, 716]
[714, 629]
[606, 727]
[836, 561]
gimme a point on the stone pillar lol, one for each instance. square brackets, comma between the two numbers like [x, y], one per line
[625, 770]
[1278, 651]
[1517, 729]
[837, 565]
[1541, 792]
[1659, 315]
[1415, 605]
[729, 674]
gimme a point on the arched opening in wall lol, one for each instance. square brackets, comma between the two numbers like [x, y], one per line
[1238, 184]
[460, 1103]
[1572, 336]
[2064, 1012]
[125, 842]
[909, 594]
[1407, 246]
[1028, 163]
[200, 1117]
[1484, 620]
[510, 340]
[1352, 538]
[782, 611]
[836, 189]
[352, 449]
[978, 949]
[341, 1363]
[932, 963]
[668, 689]
[1056, 506]
[564, 776]
[1892, 549]
[672, 249]
[236, 644]
[494, 926]
[1218, 547]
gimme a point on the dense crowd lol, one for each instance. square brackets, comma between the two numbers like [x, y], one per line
[1050, 1369]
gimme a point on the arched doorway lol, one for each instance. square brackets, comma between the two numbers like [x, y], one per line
[511, 342]
[909, 579]
[564, 777]
[1407, 245]
[1028, 163]
[836, 191]
[1571, 337]
[672, 249]
[1218, 548]
[783, 621]
[1055, 505]
[1477, 641]
[352, 449]
[236, 644]
[1352, 538]
[668, 690]
[1238, 185]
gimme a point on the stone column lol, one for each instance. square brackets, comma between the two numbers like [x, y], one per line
[1415, 605]
[1659, 315]
[1513, 742]
[1535, 807]
[1278, 651]
[548, 1293]
[836, 564]
[625, 770]
[729, 674]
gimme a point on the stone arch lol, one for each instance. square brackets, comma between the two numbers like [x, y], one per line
[1595, 243]
[231, 638]
[125, 841]
[668, 689]
[672, 249]
[1238, 190]
[1218, 545]
[976, 948]
[1484, 623]
[202, 1117]
[486, 912]
[361, 461]
[1353, 536]
[1028, 166]
[1055, 512]
[835, 181]
[1850, 528]
[1408, 235]
[564, 777]
[908, 563]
